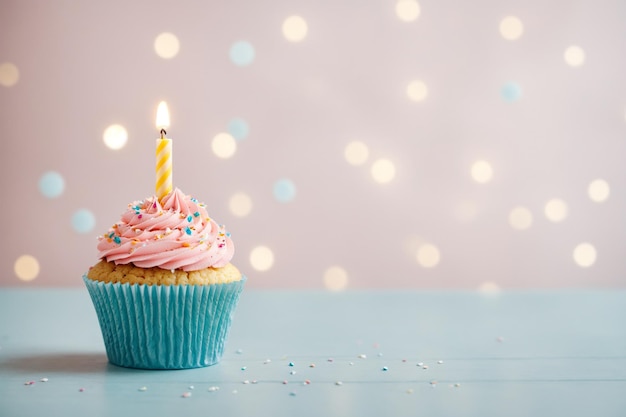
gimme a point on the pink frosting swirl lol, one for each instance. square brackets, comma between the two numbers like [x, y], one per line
[176, 233]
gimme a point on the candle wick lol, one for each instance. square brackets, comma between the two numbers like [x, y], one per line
[163, 133]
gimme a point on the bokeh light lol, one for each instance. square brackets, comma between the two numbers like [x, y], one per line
[417, 91]
[238, 128]
[574, 56]
[383, 171]
[9, 74]
[556, 210]
[295, 28]
[520, 218]
[356, 153]
[585, 255]
[511, 28]
[407, 10]
[240, 204]
[489, 288]
[335, 278]
[482, 172]
[261, 258]
[242, 53]
[166, 45]
[224, 145]
[26, 268]
[51, 184]
[284, 190]
[83, 221]
[115, 137]
[511, 92]
[428, 255]
[598, 190]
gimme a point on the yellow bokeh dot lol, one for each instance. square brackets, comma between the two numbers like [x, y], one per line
[511, 28]
[9, 74]
[407, 10]
[585, 255]
[26, 267]
[417, 91]
[489, 288]
[295, 28]
[335, 278]
[598, 190]
[482, 172]
[428, 255]
[356, 153]
[115, 137]
[556, 210]
[261, 258]
[240, 204]
[574, 56]
[166, 45]
[520, 218]
[383, 171]
[224, 145]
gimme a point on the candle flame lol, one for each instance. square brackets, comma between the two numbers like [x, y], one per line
[163, 116]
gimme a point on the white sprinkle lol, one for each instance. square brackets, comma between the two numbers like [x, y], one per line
[254, 381]
[292, 372]
[213, 389]
[44, 379]
[338, 383]
[439, 362]
[143, 389]
[246, 382]
[420, 364]
[409, 391]
[266, 361]
[239, 351]
[186, 394]
[457, 385]
[191, 387]
[362, 356]
[351, 363]
[380, 354]
[425, 367]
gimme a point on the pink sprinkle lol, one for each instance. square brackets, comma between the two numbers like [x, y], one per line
[81, 390]
[285, 382]
[29, 383]
[186, 394]
[307, 382]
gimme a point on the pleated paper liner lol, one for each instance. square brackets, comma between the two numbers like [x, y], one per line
[164, 326]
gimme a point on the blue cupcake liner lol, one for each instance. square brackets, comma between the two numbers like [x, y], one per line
[164, 326]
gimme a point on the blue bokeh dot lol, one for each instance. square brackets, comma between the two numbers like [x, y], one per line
[51, 184]
[238, 128]
[284, 190]
[511, 92]
[242, 53]
[83, 221]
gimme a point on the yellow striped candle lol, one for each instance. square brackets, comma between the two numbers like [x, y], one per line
[163, 154]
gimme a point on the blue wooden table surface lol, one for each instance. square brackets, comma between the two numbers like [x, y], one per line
[360, 353]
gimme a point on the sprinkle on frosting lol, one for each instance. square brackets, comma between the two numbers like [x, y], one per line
[176, 233]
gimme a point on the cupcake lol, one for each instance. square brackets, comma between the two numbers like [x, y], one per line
[164, 289]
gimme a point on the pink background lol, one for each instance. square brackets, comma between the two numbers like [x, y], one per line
[548, 129]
